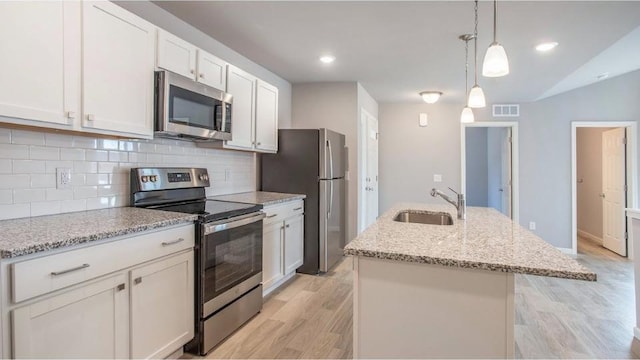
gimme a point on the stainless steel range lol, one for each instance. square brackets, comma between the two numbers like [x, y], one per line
[228, 249]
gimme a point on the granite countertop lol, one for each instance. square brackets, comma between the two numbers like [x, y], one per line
[487, 240]
[263, 198]
[36, 234]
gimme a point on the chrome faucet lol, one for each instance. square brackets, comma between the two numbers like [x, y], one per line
[460, 205]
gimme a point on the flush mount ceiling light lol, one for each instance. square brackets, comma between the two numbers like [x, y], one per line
[476, 95]
[496, 63]
[547, 46]
[430, 97]
[467, 113]
[327, 59]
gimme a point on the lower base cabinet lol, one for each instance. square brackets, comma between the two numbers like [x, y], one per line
[90, 321]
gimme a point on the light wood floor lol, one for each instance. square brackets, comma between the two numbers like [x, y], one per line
[311, 316]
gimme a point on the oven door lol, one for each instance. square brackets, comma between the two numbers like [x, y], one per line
[231, 260]
[187, 108]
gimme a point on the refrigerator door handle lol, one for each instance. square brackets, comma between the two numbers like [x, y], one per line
[330, 159]
[330, 199]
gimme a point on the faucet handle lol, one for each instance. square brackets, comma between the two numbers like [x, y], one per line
[455, 192]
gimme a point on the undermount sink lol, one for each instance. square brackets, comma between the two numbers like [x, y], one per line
[424, 217]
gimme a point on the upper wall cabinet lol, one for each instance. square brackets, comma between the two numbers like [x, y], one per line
[254, 120]
[40, 62]
[181, 57]
[117, 51]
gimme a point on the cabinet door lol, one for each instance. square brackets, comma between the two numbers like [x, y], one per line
[176, 55]
[266, 117]
[118, 65]
[241, 85]
[90, 321]
[293, 243]
[40, 62]
[162, 296]
[272, 269]
[212, 71]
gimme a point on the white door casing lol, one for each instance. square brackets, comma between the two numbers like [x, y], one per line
[505, 178]
[613, 190]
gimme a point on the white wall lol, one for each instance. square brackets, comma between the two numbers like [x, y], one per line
[333, 106]
[410, 155]
[100, 168]
[476, 166]
[176, 26]
[589, 170]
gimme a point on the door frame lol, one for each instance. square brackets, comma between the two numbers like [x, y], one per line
[515, 167]
[362, 163]
[632, 178]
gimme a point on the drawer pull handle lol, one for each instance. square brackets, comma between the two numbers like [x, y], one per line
[137, 280]
[272, 216]
[288, 225]
[120, 287]
[167, 243]
[56, 273]
[298, 208]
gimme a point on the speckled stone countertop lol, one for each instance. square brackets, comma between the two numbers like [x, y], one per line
[487, 240]
[36, 234]
[263, 198]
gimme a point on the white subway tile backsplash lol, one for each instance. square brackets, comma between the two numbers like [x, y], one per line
[13, 151]
[45, 208]
[13, 181]
[72, 154]
[44, 153]
[14, 211]
[21, 196]
[100, 170]
[43, 181]
[6, 197]
[28, 167]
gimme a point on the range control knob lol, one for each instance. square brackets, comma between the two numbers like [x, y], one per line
[206, 177]
[154, 178]
[144, 178]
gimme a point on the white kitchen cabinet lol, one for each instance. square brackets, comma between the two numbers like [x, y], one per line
[118, 50]
[40, 62]
[212, 70]
[242, 86]
[282, 243]
[162, 302]
[176, 55]
[90, 321]
[293, 243]
[272, 270]
[266, 117]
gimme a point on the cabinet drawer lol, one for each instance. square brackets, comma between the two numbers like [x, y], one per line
[45, 274]
[283, 211]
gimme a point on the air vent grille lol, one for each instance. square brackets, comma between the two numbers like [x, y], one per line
[506, 110]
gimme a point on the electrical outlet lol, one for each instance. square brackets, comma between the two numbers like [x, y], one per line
[227, 174]
[63, 178]
[437, 178]
[532, 225]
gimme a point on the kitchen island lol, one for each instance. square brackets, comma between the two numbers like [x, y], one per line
[442, 291]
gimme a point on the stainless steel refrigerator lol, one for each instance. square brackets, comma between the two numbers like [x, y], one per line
[313, 162]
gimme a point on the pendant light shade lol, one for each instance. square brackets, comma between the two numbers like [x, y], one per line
[495, 63]
[467, 115]
[476, 98]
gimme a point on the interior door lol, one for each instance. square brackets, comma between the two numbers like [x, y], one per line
[505, 176]
[371, 178]
[613, 190]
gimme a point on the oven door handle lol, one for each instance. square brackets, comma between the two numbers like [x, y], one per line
[227, 224]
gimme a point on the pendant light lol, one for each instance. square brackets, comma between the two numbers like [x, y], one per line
[476, 95]
[467, 113]
[496, 63]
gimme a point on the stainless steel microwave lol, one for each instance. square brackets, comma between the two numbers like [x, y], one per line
[186, 108]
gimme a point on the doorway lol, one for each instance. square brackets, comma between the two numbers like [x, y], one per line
[490, 166]
[368, 182]
[603, 184]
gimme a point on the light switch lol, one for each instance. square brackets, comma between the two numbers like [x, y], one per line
[424, 120]
[437, 178]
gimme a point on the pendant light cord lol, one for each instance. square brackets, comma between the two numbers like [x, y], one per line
[466, 68]
[475, 42]
[495, 20]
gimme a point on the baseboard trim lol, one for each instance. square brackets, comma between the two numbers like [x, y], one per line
[278, 283]
[567, 251]
[589, 236]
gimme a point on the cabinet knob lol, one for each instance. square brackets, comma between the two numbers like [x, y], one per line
[137, 280]
[258, 143]
[91, 117]
[288, 225]
[120, 287]
[192, 71]
[202, 75]
[71, 114]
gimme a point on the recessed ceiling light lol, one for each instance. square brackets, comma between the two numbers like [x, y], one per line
[544, 47]
[327, 59]
[430, 97]
[603, 76]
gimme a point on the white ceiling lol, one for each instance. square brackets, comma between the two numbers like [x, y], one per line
[396, 49]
